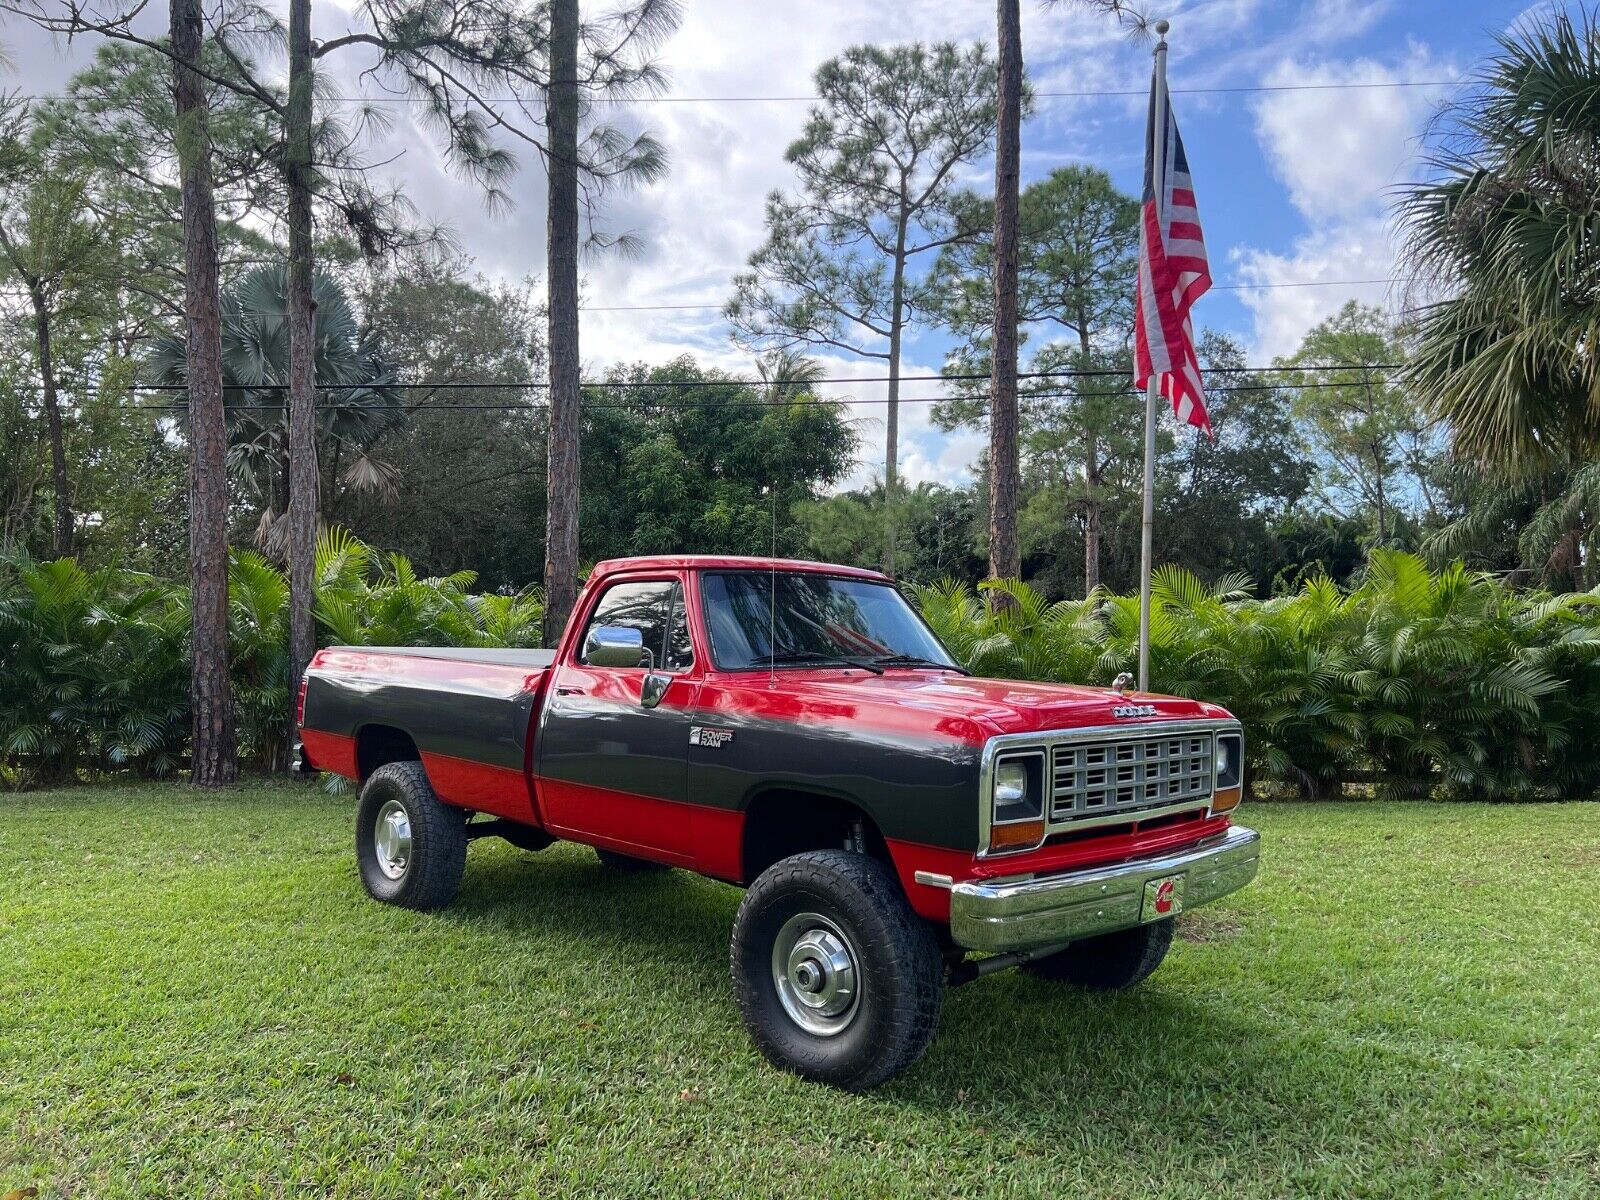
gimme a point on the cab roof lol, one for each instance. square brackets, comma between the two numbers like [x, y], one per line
[725, 562]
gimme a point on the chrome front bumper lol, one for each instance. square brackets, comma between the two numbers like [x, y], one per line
[1045, 910]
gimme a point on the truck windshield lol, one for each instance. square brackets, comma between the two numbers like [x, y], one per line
[817, 620]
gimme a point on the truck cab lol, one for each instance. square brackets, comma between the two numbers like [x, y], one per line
[796, 728]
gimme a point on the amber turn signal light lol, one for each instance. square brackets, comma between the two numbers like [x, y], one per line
[1016, 835]
[1226, 799]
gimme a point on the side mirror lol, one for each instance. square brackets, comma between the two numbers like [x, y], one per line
[613, 646]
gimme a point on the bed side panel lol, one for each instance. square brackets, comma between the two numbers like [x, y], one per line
[470, 720]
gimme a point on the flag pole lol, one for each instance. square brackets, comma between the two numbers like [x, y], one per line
[1152, 390]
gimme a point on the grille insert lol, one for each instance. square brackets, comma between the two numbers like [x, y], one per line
[1089, 779]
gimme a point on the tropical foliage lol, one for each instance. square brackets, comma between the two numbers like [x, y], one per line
[1505, 231]
[97, 674]
[357, 403]
[1415, 683]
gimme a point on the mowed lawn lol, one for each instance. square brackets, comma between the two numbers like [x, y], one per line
[197, 999]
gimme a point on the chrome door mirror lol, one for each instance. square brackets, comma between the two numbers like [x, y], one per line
[613, 646]
[654, 688]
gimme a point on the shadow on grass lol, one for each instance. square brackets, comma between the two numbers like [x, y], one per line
[1024, 1052]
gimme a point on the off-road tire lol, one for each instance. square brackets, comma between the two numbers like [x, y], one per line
[1112, 962]
[438, 839]
[900, 976]
[627, 863]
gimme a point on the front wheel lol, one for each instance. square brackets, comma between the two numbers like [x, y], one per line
[410, 845]
[1112, 962]
[836, 978]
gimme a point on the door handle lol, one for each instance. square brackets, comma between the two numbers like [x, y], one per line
[569, 691]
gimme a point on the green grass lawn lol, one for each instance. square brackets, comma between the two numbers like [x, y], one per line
[197, 999]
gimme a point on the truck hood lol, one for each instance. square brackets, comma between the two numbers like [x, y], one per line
[979, 708]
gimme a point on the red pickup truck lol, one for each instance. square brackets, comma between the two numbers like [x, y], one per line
[796, 728]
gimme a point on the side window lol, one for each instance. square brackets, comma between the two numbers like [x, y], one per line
[647, 607]
[680, 650]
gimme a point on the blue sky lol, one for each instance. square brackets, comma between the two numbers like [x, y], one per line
[1292, 184]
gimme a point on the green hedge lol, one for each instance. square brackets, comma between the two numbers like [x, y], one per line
[94, 665]
[1416, 683]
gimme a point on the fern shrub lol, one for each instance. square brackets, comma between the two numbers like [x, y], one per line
[94, 665]
[1416, 683]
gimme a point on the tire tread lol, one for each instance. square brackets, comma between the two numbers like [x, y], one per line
[905, 942]
[438, 839]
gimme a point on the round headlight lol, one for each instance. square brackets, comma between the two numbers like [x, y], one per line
[1010, 783]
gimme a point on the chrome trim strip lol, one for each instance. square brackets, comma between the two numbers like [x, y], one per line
[1045, 739]
[933, 879]
[997, 916]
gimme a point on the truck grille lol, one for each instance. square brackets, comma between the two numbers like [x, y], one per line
[1089, 779]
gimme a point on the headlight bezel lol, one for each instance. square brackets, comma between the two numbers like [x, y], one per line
[1227, 760]
[1227, 771]
[1017, 821]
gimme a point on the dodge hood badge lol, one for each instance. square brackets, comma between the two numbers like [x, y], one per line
[1127, 711]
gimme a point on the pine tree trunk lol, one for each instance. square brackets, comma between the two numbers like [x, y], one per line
[1091, 518]
[214, 760]
[303, 474]
[891, 449]
[561, 485]
[62, 527]
[1382, 500]
[1005, 560]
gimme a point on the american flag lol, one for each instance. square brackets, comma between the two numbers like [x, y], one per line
[1173, 274]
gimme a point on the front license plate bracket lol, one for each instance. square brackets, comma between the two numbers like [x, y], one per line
[1163, 898]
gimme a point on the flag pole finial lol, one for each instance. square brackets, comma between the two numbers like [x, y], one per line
[1161, 28]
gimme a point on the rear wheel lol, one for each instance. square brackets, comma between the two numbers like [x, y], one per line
[627, 862]
[1112, 962]
[411, 847]
[836, 978]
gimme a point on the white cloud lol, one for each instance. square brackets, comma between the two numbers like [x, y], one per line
[927, 453]
[1339, 153]
[1334, 151]
[1356, 249]
[1339, 150]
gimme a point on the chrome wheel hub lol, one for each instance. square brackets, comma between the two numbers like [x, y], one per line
[391, 839]
[814, 970]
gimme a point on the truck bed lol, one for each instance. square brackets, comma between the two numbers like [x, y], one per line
[468, 712]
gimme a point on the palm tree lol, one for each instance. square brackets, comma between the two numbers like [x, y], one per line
[358, 403]
[787, 373]
[1505, 231]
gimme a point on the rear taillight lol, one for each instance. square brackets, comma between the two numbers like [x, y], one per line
[300, 704]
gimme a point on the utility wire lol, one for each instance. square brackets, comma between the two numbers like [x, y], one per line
[1216, 287]
[608, 384]
[717, 304]
[1084, 94]
[799, 402]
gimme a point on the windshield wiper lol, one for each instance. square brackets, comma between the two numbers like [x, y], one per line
[824, 660]
[915, 660]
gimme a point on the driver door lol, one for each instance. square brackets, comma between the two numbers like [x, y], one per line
[612, 768]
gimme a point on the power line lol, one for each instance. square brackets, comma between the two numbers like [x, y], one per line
[1216, 287]
[801, 402]
[717, 304]
[609, 384]
[1083, 94]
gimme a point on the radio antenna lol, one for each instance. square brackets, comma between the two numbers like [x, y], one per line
[772, 597]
